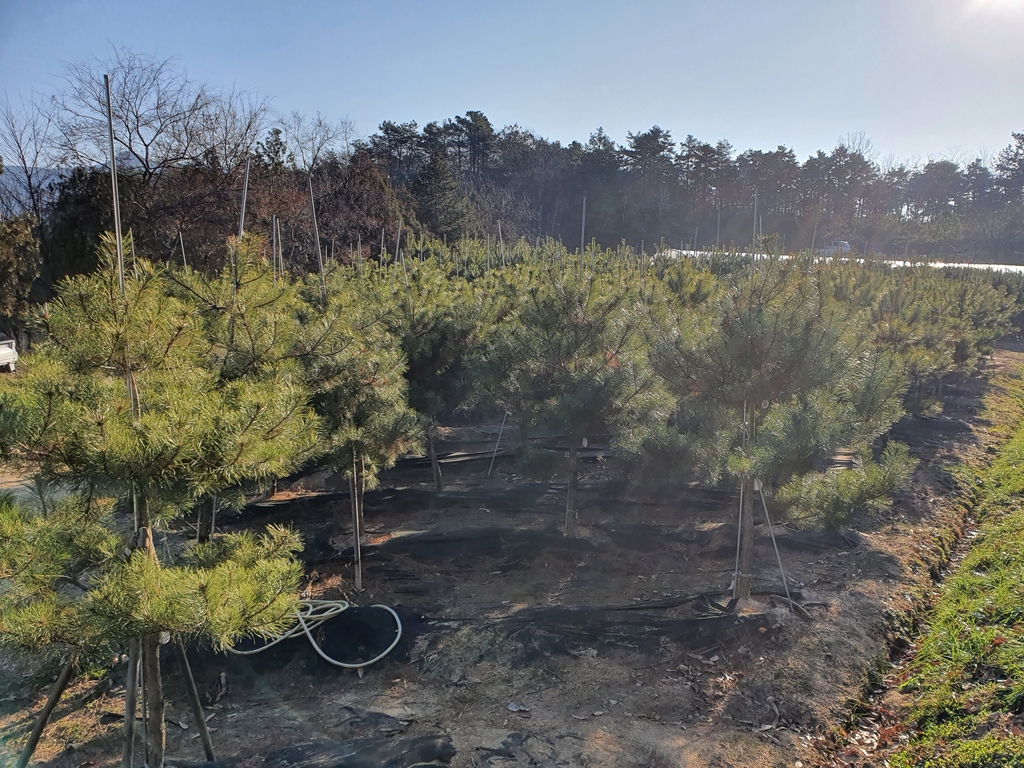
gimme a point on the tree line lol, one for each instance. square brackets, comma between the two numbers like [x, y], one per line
[183, 146]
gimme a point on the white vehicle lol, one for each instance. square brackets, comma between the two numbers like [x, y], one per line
[8, 355]
[836, 246]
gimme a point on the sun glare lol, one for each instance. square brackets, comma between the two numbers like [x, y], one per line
[1000, 7]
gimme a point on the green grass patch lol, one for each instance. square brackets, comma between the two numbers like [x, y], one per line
[967, 676]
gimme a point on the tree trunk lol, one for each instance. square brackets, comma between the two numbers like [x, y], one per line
[741, 590]
[156, 730]
[204, 523]
[197, 706]
[434, 463]
[131, 692]
[570, 495]
[51, 703]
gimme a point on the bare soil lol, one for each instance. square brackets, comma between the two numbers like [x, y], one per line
[526, 648]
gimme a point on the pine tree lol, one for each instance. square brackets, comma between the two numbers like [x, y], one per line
[354, 369]
[250, 322]
[440, 321]
[571, 359]
[774, 375]
[118, 403]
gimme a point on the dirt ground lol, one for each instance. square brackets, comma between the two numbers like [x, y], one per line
[527, 649]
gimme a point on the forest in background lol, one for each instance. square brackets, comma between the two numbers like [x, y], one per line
[183, 145]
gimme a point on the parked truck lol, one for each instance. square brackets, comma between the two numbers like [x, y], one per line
[8, 355]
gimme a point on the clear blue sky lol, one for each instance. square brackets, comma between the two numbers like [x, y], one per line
[921, 78]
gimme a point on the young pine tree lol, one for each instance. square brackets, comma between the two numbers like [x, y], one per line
[354, 369]
[118, 406]
[571, 359]
[774, 374]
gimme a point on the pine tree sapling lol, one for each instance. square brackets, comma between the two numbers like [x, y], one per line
[570, 361]
[119, 403]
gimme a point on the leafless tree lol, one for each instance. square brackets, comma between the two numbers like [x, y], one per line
[159, 113]
[312, 139]
[26, 141]
[234, 122]
[859, 141]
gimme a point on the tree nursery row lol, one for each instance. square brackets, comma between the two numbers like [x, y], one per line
[157, 392]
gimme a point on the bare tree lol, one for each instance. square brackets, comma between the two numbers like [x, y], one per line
[234, 122]
[312, 139]
[26, 140]
[859, 141]
[159, 113]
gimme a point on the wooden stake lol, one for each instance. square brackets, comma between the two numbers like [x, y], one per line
[741, 589]
[156, 728]
[316, 238]
[56, 691]
[583, 229]
[130, 705]
[273, 245]
[497, 443]
[197, 707]
[435, 465]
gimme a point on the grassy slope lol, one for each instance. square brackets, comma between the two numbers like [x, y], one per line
[967, 676]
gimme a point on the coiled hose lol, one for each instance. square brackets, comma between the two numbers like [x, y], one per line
[311, 614]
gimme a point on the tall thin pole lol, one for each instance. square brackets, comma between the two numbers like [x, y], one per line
[753, 236]
[56, 691]
[583, 234]
[359, 252]
[134, 645]
[130, 704]
[398, 240]
[245, 191]
[356, 533]
[241, 231]
[280, 249]
[113, 185]
[195, 703]
[273, 244]
[316, 237]
[181, 241]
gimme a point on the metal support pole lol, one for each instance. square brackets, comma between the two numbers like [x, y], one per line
[316, 238]
[273, 245]
[113, 185]
[245, 192]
